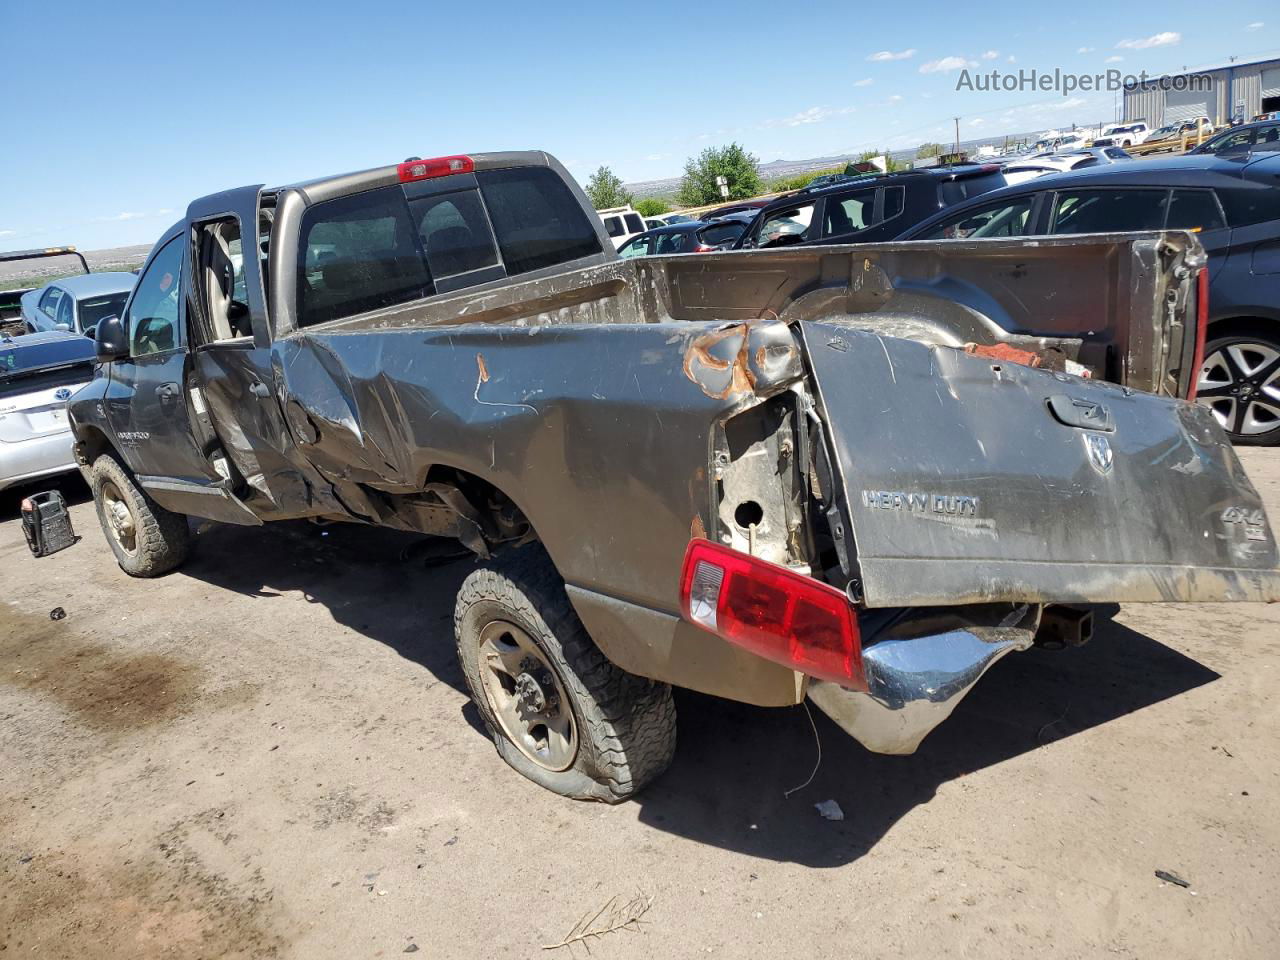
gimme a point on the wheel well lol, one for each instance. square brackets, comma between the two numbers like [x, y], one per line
[91, 443]
[1244, 326]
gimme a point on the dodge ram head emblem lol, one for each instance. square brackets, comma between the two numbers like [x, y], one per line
[62, 393]
[1100, 455]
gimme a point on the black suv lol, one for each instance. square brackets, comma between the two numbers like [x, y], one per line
[869, 208]
[1232, 203]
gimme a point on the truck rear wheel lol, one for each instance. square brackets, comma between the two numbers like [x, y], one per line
[147, 539]
[559, 712]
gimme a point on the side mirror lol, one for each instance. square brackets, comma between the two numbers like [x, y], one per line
[109, 336]
[64, 327]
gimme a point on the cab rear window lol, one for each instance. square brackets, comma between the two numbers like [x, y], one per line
[537, 220]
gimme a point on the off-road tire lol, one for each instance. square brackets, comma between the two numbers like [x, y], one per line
[626, 725]
[163, 538]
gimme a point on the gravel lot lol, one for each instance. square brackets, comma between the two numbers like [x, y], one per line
[269, 753]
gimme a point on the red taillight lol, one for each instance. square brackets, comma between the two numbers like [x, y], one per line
[1202, 330]
[704, 248]
[412, 170]
[780, 615]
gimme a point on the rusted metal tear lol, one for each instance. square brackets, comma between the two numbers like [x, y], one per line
[716, 376]
[1002, 351]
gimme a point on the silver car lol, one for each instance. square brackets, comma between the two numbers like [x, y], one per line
[38, 374]
[76, 304]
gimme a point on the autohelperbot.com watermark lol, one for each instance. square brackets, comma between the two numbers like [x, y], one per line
[1066, 83]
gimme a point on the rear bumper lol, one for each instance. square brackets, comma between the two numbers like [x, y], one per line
[914, 683]
[35, 458]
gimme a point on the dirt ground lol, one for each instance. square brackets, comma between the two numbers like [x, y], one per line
[269, 754]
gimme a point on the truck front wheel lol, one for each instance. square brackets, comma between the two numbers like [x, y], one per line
[559, 712]
[147, 539]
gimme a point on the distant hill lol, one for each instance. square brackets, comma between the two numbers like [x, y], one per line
[34, 273]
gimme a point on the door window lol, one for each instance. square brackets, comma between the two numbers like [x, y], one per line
[613, 226]
[1237, 140]
[221, 285]
[66, 311]
[672, 243]
[894, 200]
[153, 311]
[633, 222]
[1108, 211]
[49, 302]
[786, 226]
[1001, 220]
[636, 246]
[848, 213]
[1194, 210]
[721, 233]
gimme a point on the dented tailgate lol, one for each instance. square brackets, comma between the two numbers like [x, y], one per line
[968, 480]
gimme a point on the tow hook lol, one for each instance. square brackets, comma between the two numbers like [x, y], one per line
[1063, 626]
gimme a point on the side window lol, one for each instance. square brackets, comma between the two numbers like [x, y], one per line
[633, 222]
[49, 302]
[1108, 211]
[1194, 210]
[66, 311]
[1250, 203]
[672, 243]
[636, 247]
[220, 281]
[356, 254]
[894, 201]
[786, 226]
[613, 226]
[848, 213]
[1239, 140]
[153, 311]
[1268, 138]
[455, 233]
[721, 233]
[536, 218]
[1002, 220]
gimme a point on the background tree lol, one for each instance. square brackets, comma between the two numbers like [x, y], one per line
[927, 150]
[740, 167]
[604, 189]
[652, 206]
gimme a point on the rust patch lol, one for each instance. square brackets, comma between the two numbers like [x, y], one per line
[1002, 351]
[717, 376]
[101, 686]
[484, 371]
[696, 529]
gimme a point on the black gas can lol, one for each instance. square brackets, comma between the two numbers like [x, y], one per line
[46, 523]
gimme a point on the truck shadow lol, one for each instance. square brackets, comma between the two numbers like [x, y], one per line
[733, 762]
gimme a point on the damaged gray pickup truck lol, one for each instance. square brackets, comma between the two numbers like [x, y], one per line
[826, 472]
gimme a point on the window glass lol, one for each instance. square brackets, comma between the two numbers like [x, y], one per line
[1252, 203]
[613, 226]
[1108, 211]
[537, 219]
[1115, 153]
[1268, 138]
[357, 254]
[96, 308]
[1003, 220]
[1194, 210]
[672, 243]
[455, 233]
[785, 226]
[963, 188]
[848, 213]
[153, 313]
[634, 223]
[1236, 140]
[66, 312]
[49, 302]
[894, 199]
[721, 233]
[636, 246]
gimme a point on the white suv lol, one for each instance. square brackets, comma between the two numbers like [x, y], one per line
[621, 223]
[1122, 135]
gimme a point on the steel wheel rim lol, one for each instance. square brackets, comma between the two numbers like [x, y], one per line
[526, 696]
[119, 517]
[1240, 383]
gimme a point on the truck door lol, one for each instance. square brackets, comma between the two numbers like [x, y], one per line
[232, 356]
[146, 402]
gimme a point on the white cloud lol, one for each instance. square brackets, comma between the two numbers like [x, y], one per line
[1166, 39]
[163, 211]
[895, 98]
[890, 55]
[1255, 26]
[1115, 60]
[812, 115]
[946, 64]
[656, 156]
[1086, 50]
[1012, 58]
[864, 82]
[991, 55]
[7, 233]
[976, 122]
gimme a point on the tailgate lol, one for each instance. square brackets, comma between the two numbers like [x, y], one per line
[968, 480]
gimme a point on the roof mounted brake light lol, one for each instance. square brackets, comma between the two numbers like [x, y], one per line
[774, 612]
[412, 170]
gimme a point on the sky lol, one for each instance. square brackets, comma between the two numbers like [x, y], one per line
[120, 114]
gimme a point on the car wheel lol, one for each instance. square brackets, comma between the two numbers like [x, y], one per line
[147, 539]
[558, 711]
[1240, 383]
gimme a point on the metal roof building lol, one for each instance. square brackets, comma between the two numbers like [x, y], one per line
[1219, 92]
